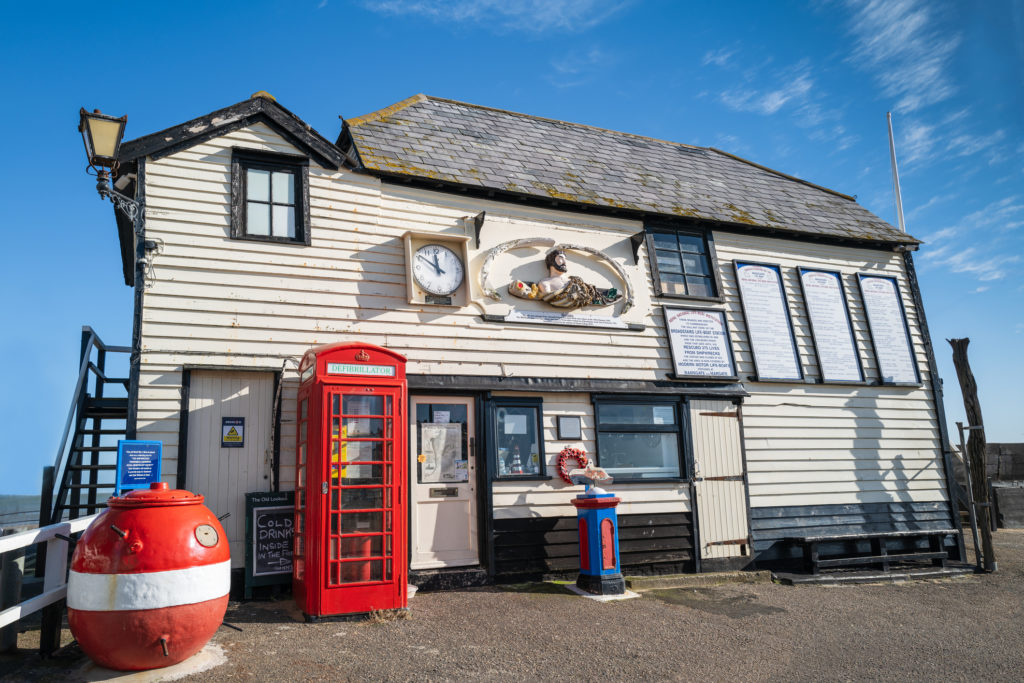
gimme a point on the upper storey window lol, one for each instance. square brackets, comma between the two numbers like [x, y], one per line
[683, 263]
[269, 197]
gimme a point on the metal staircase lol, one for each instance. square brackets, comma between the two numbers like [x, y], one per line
[82, 478]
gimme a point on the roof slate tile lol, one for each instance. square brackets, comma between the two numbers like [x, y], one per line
[463, 143]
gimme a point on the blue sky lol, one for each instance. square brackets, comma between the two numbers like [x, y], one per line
[802, 87]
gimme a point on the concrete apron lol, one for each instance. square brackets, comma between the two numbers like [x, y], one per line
[209, 657]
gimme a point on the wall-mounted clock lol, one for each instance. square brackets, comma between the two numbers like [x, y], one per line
[436, 264]
[437, 269]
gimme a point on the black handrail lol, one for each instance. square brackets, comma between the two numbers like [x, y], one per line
[90, 342]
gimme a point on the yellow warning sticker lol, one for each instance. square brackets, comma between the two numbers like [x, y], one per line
[232, 434]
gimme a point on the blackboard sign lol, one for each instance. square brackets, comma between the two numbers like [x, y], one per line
[269, 525]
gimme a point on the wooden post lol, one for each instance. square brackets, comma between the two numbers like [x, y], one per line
[12, 569]
[975, 448]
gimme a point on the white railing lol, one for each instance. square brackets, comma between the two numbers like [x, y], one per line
[55, 580]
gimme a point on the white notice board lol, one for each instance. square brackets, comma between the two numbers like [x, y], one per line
[700, 344]
[890, 334]
[825, 299]
[769, 328]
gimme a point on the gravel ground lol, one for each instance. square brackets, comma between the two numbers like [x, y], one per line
[967, 628]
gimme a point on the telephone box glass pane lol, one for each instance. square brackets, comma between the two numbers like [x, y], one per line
[354, 475]
[362, 499]
[360, 546]
[362, 451]
[356, 572]
[364, 405]
[361, 522]
[364, 427]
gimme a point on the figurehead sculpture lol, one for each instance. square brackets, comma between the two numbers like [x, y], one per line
[561, 290]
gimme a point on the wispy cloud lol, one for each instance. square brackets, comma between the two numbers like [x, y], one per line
[323, 3]
[719, 57]
[934, 201]
[579, 67]
[534, 16]
[985, 267]
[901, 42]
[796, 85]
[1004, 214]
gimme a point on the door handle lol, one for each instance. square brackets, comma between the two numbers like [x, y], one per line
[323, 487]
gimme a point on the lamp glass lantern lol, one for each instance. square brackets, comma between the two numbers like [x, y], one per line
[102, 136]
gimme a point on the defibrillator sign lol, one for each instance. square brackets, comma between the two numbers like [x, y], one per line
[232, 430]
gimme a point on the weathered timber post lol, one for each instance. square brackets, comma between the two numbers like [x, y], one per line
[975, 447]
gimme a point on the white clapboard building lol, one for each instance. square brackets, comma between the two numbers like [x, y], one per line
[745, 352]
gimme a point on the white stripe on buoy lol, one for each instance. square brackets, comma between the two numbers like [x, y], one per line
[150, 590]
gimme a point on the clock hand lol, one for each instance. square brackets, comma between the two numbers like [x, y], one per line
[437, 266]
[426, 260]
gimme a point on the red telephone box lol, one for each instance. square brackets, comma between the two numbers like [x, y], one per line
[350, 491]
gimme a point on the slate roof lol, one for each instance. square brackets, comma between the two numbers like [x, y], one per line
[430, 138]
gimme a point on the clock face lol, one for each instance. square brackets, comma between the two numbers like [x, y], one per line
[437, 269]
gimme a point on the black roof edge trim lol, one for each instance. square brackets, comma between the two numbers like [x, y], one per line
[563, 384]
[664, 220]
[239, 115]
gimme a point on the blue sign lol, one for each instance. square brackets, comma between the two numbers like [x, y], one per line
[138, 464]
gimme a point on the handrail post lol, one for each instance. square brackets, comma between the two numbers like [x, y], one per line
[56, 576]
[45, 516]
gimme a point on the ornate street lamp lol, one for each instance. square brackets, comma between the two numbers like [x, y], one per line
[101, 135]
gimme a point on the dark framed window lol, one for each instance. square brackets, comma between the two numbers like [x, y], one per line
[517, 438]
[683, 263]
[640, 440]
[269, 197]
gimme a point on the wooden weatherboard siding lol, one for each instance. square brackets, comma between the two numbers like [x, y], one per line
[531, 548]
[551, 498]
[214, 302]
[772, 524]
[832, 456]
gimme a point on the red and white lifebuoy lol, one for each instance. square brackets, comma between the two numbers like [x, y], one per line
[149, 580]
[567, 454]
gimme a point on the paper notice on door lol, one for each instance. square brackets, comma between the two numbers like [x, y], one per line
[442, 416]
[441, 444]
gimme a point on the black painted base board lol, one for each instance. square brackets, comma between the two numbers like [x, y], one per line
[607, 584]
[427, 580]
[771, 525]
[726, 564]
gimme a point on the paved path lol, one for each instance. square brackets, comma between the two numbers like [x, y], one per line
[969, 628]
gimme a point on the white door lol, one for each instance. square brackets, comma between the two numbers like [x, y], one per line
[223, 465]
[443, 490]
[720, 481]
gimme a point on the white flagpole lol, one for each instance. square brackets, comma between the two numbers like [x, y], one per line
[895, 175]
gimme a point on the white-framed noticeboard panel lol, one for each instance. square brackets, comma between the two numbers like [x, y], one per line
[890, 334]
[700, 343]
[831, 329]
[768, 323]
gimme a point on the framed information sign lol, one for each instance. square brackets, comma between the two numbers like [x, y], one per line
[138, 465]
[700, 344]
[834, 345]
[269, 525]
[769, 327]
[890, 334]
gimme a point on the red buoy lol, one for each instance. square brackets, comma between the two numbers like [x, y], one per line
[149, 580]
